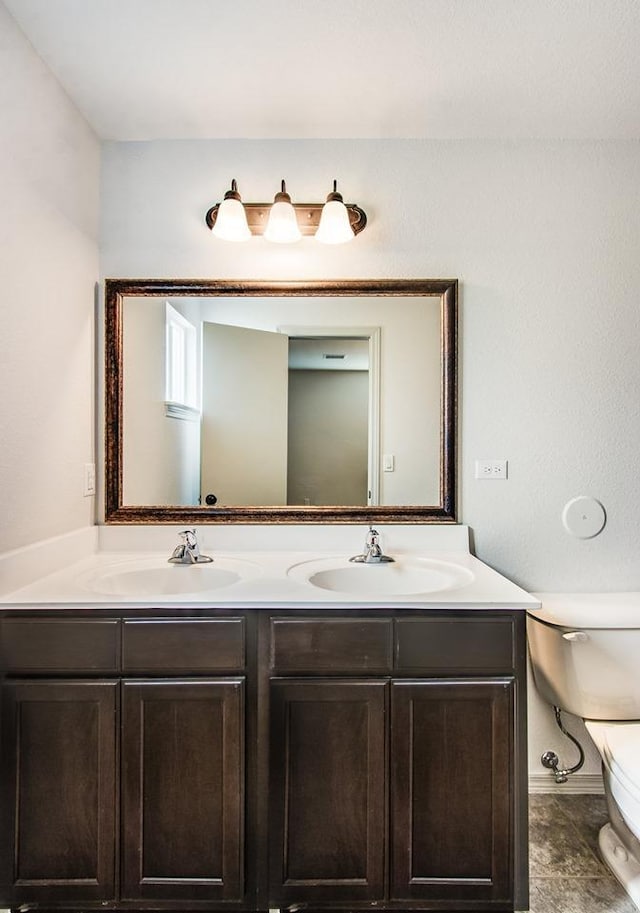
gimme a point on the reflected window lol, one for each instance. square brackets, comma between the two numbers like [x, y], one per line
[180, 373]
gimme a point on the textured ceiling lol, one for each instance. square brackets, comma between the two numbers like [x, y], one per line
[148, 69]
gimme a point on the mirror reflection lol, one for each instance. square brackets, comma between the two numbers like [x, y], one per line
[227, 404]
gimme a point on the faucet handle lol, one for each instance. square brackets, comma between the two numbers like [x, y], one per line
[372, 537]
[372, 543]
[189, 537]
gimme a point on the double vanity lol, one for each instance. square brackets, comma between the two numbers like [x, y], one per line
[280, 728]
[274, 729]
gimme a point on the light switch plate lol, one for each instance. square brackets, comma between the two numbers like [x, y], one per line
[89, 487]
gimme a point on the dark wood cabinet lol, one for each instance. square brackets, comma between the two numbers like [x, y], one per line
[178, 760]
[407, 788]
[183, 790]
[58, 791]
[130, 790]
[451, 773]
[327, 816]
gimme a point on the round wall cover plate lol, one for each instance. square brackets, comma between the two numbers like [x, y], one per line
[584, 517]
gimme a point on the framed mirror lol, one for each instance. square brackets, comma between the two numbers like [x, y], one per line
[280, 402]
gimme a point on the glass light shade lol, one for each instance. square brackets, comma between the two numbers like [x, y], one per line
[282, 226]
[231, 222]
[334, 227]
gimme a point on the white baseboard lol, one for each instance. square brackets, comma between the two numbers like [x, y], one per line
[576, 784]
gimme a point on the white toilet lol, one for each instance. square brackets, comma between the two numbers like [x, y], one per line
[585, 653]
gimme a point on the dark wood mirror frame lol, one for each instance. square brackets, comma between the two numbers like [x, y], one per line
[115, 292]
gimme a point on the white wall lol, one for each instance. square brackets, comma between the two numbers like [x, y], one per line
[544, 238]
[49, 162]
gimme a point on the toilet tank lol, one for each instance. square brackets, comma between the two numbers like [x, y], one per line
[585, 653]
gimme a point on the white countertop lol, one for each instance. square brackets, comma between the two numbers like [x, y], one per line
[267, 579]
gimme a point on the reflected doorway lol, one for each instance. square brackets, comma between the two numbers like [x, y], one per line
[290, 417]
[334, 415]
[328, 421]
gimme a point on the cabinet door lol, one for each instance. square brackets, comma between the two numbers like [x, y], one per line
[451, 790]
[183, 790]
[327, 791]
[59, 791]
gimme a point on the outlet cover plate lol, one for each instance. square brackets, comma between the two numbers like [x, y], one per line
[491, 469]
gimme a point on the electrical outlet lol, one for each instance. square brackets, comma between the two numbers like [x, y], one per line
[89, 487]
[491, 469]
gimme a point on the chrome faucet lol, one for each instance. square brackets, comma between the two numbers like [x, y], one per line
[372, 551]
[188, 552]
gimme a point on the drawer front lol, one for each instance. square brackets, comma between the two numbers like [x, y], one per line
[331, 645]
[442, 645]
[167, 646]
[60, 645]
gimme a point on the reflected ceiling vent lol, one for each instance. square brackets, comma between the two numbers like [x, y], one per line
[328, 353]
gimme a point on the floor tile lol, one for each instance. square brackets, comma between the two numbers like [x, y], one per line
[567, 875]
[578, 895]
[557, 845]
[588, 814]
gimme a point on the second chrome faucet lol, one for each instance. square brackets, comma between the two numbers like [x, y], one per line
[372, 553]
[188, 552]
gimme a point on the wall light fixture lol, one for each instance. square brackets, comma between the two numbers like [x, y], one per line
[332, 222]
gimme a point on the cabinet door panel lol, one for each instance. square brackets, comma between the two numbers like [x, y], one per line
[58, 780]
[451, 789]
[183, 790]
[327, 790]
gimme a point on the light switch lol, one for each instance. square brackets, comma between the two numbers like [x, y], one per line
[89, 484]
[388, 462]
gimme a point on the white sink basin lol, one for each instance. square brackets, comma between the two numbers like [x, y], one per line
[403, 577]
[153, 577]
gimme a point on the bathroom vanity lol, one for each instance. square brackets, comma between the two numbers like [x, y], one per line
[219, 752]
[277, 729]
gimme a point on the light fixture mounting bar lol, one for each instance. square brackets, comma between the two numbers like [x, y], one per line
[307, 214]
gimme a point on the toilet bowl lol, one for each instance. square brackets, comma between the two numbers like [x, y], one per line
[585, 655]
[619, 840]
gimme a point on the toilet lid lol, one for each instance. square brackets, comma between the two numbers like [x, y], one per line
[619, 744]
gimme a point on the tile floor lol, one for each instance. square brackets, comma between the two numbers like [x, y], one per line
[566, 873]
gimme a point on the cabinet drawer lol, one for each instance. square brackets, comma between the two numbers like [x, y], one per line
[331, 645]
[167, 646]
[454, 644]
[60, 645]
